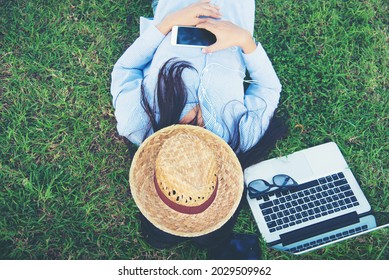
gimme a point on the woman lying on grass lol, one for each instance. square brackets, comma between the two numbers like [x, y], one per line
[156, 84]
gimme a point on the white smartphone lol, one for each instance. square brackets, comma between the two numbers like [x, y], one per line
[190, 36]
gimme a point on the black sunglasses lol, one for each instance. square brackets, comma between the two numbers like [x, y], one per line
[259, 187]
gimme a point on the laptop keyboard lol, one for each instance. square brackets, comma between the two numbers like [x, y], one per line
[309, 201]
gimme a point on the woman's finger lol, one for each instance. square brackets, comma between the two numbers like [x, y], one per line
[208, 12]
[213, 48]
[208, 24]
[211, 6]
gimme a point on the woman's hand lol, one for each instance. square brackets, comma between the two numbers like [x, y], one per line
[227, 35]
[189, 16]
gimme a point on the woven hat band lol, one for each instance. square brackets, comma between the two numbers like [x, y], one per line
[182, 208]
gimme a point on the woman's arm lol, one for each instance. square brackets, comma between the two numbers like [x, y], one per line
[127, 77]
[262, 96]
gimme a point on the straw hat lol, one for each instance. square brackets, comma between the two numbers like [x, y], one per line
[186, 180]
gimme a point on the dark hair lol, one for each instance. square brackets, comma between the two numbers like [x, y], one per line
[276, 130]
[171, 95]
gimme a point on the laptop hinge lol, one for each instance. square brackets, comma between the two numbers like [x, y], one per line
[319, 228]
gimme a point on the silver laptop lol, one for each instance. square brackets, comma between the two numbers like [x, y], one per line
[325, 207]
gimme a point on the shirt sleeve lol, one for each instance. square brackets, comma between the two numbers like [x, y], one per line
[127, 77]
[261, 97]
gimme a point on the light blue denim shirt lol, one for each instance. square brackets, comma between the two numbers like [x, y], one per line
[217, 86]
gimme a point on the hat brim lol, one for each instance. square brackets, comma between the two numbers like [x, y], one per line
[229, 194]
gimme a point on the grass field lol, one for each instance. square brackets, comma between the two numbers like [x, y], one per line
[64, 191]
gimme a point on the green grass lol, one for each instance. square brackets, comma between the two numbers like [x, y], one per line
[64, 190]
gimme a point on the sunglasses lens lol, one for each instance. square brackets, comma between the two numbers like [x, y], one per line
[283, 181]
[258, 186]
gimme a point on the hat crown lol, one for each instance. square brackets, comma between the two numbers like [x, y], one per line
[186, 170]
